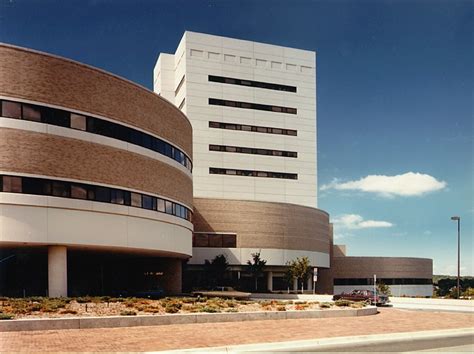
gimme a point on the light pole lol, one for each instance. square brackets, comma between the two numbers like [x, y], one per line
[458, 219]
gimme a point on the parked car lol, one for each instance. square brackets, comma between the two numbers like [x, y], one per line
[363, 295]
[222, 291]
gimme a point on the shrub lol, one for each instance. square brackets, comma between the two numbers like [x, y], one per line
[325, 305]
[281, 308]
[343, 303]
[301, 307]
[83, 299]
[357, 305]
[128, 313]
[300, 302]
[209, 309]
[173, 307]
[6, 316]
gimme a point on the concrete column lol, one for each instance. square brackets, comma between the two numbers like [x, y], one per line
[309, 282]
[270, 281]
[57, 271]
[295, 284]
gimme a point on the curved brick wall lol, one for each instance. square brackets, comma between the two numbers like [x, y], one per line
[265, 224]
[52, 80]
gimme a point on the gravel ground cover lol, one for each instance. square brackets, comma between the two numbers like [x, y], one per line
[43, 307]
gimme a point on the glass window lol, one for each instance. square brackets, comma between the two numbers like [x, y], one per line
[214, 124]
[117, 197]
[276, 131]
[78, 191]
[78, 121]
[161, 205]
[215, 240]
[147, 202]
[291, 132]
[246, 128]
[60, 189]
[200, 240]
[32, 113]
[102, 194]
[229, 241]
[136, 199]
[12, 184]
[11, 109]
[168, 207]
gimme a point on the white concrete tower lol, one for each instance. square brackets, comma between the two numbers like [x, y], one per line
[253, 111]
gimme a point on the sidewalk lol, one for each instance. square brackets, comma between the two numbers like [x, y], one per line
[208, 335]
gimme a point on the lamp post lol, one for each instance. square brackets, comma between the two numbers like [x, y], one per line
[458, 219]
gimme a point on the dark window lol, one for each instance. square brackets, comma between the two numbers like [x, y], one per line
[229, 241]
[160, 205]
[252, 128]
[168, 207]
[102, 194]
[117, 196]
[254, 151]
[259, 84]
[78, 191]
[215, 240]
[60, 189]
[248, 105]
[11, 109]
[147, 202]
[32, 113]
[200, 240]
[179, 86]
[249, 173]
[11, 184]
[35, 186]
[181, 105]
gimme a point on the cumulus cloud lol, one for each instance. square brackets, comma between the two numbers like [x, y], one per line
[355, 222]
[405, 185]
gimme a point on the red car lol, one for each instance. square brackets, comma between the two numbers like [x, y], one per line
[363, 295]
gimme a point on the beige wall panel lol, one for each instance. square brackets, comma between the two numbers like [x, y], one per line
[37, 153]
[43, 78]
[264, 224]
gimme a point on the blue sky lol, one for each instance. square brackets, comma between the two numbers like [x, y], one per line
[394, 90]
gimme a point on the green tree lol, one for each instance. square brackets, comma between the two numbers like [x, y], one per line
[216, 269]
[383, 288]
[288, 276]
[300, 269]
[255, 267]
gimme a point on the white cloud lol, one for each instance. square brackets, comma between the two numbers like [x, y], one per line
[405, 185]
[427, 232]
[355, 222]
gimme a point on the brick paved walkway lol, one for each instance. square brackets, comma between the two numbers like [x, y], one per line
[232, 333]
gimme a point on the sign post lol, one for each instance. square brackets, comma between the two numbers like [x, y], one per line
[375, 289]
[315, 279]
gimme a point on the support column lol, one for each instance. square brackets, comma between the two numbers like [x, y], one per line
[309, 282]
[57, 271]
[270, 281]
[295, 284]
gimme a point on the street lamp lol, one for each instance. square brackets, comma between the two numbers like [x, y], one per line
[458, 219]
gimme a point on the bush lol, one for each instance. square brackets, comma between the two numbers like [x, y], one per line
[6, 316]
[325, 305]
[209, 309]
[343, 303]
[301, 302]
[128, 313]
[358, 305]
[281, 308]
[301, 307]
[172, 307]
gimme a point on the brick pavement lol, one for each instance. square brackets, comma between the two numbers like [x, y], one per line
[231, 333]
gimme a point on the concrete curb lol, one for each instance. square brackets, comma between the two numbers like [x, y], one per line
[42, 324]
[339, 343]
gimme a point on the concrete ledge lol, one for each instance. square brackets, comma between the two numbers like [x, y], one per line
[43, 324]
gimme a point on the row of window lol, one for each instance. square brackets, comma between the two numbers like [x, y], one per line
[253, 151]
[250, 173]
[92, 125]
[63, 189]
[387, 281]
[248, 105]
[181, 82]
[214, 240]
[250, 83]
[252, 128]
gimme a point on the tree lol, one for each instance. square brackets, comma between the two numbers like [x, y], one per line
[383, 288]
[300, 268]
[288, 276]
[216, 269]
[256, 266]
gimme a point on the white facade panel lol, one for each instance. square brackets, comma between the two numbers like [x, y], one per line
[244, 60]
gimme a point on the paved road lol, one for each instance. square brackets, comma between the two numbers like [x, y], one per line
[207, 335]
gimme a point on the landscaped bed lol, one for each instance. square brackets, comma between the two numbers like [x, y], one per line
[43, 307]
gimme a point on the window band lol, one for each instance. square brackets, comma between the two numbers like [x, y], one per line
[253, 151]
[252, 128]
[251, 83]
[249, 105]
[250, 173]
